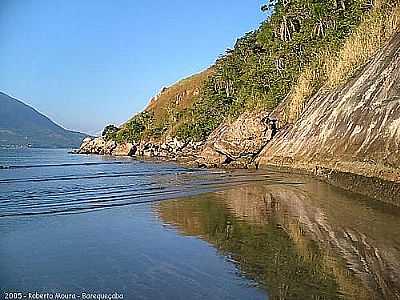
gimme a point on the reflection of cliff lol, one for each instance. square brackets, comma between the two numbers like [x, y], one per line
[300, 241]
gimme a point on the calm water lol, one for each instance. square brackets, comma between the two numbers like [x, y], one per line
[76, 224]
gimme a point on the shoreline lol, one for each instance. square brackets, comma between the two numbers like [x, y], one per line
[374, 187]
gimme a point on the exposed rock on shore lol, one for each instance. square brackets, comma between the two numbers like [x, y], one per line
[170, 149]
[100, 146]
[125, 149]
[93, 146]
[237, 143]
[348, 136]
[354, 129]
[352, 134]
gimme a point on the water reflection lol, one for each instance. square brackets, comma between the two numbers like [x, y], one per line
[308, 241]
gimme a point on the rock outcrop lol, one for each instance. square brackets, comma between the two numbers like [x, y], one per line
[350, 136]
[125, 149]
[93, 146]
[171, 149]
[354, 129]
[100, 146]
[237, 143]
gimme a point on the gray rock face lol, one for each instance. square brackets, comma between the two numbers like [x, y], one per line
[354, 129]
[85, 146]
[240, 140]
[125, 149]
[109, 147]
[147, 149]
[171, 148]
[100, 146]
[92, 146]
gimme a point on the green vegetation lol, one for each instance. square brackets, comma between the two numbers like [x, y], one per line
[301, 46]
[109, 132]
[132, 131]
[334, 66]
[260, 71]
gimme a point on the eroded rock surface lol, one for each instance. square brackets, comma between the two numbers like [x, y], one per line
[92, 146]
[239, 141]
[125, 149]
[355, 129]
[100, 146]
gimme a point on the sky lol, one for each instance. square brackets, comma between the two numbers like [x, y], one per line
[90, 63]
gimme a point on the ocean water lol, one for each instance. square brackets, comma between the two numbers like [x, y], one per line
[149, 230]
[39, 181]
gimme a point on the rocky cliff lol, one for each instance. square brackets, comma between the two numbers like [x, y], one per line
[349, 135]
[354, 129]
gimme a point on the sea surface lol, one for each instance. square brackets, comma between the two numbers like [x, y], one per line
[77, 224]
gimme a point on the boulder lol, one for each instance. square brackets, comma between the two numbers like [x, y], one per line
[92, 146]
[240, 140]
[85, 147]
[164, 154]
[98, 145]
[211, 158]
[125, 149]
[109, 147]
[148, 153]
[178, 144]
[86, 140]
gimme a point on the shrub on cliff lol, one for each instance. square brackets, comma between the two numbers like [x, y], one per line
[302, 46]
[264, 65]
[132, 131]
[109, 132]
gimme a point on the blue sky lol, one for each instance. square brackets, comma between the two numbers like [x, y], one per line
[89, 63]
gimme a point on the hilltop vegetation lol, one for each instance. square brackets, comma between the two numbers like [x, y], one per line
[302, 46]
[163, 113]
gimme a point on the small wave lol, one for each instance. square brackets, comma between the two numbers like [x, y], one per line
[64, 165]
[87, 202]
[83, 189]
[104, 203]
[95, 176]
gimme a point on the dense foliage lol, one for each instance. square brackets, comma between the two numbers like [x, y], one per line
[109, 132]
[262, 68]
[132, 131]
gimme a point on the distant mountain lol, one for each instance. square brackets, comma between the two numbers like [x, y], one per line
[21, 125]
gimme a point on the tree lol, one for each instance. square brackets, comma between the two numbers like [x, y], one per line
[109, 132]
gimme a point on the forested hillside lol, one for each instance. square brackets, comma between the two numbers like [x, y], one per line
[301, 47]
